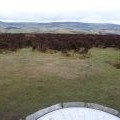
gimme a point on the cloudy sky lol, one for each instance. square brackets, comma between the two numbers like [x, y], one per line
[103, 11]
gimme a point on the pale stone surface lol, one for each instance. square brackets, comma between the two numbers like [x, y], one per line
[42, 112]
[103, 108]
[77, 113]
[64, 111]
[74, 104]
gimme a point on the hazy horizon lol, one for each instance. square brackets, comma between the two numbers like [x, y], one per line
[87, 11]
[12, 21]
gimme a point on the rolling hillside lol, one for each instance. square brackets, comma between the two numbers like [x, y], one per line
[59, 27]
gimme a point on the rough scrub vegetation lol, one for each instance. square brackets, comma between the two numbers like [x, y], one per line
[60, 42]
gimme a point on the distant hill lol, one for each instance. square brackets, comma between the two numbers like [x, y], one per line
[59, 27]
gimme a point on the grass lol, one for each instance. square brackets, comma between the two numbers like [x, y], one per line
[30, 80]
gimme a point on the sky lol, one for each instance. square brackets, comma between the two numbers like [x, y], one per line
[90, 11]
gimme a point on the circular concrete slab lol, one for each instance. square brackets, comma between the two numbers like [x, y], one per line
[76, 113]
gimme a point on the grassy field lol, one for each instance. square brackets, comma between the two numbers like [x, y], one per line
[30, 80]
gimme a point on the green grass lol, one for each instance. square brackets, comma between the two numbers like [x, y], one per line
[30, 81]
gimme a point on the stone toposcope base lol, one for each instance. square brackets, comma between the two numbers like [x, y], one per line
[75, 111]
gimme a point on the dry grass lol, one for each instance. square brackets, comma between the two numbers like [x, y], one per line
[115, 64]
[30, 80]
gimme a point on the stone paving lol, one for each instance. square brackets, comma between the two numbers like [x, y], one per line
[39, 114]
